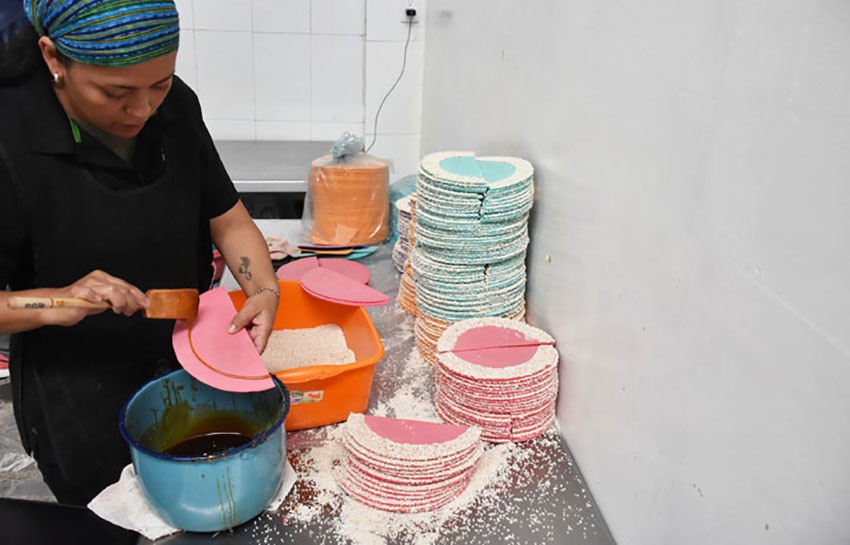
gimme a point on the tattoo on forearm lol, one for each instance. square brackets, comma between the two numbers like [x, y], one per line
[243, 268]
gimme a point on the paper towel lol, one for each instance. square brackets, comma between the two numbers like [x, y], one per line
[124, 504]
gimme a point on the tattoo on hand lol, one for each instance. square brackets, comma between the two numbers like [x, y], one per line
[243, 268]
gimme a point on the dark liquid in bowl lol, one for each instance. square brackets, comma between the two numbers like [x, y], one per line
[208, 444]
[204, 435]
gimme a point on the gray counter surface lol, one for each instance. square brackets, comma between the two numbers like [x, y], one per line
[271, 166]
[542, 499]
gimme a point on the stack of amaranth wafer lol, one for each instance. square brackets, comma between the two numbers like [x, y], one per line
[406, 466]
[401, 249]
[407, 290]
[500, 375]
[471, 238]
[407, 286]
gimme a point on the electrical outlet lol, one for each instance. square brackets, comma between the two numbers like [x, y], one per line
[410, 5]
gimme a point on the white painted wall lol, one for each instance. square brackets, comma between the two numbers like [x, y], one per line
[693, 171]
[305, 70]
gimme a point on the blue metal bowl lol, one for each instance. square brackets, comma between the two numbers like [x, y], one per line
[205, 493]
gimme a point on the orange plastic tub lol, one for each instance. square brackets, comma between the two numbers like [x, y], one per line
[325, 394]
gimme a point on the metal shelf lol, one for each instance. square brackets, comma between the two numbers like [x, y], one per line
[270, 166]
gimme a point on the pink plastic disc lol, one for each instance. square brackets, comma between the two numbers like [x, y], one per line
[332, 286]
[352, 269]
[294, 270]
[215, 357]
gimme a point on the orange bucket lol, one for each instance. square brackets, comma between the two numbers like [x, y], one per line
[325, 394]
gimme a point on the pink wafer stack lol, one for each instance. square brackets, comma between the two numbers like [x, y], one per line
[497, 374]
[407, 466]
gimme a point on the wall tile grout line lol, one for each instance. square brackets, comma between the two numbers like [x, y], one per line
[310, 67]
[363, 71]
[253, 67]
[195, 47]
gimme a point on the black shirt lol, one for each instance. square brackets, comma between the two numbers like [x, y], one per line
[69, 206]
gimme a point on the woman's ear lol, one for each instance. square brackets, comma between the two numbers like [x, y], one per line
[51, 57]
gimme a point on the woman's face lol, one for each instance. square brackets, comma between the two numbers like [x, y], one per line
[115, 99]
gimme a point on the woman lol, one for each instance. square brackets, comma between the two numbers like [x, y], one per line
[109, 186]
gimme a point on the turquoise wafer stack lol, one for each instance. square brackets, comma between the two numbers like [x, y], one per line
[471, 240]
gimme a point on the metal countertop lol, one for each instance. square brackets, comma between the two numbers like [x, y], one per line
[270, 166]
[546, 500]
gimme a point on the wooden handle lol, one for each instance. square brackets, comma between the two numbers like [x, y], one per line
[52, 302]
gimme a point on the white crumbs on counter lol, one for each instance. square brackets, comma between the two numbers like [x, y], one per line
[503, 498]
[352, 521]
[413, 395]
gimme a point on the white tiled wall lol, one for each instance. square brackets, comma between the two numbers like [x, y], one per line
[225, 79]
[306, 70]
[336, 79]
[281, 77]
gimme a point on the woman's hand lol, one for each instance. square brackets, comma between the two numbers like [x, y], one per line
[247, 255]
[257, 317]
[96, 287]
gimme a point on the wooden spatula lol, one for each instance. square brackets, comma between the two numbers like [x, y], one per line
[181, 304]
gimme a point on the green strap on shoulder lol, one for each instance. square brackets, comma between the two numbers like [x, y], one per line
[75, 130]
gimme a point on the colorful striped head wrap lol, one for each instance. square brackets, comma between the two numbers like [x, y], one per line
[107, 32]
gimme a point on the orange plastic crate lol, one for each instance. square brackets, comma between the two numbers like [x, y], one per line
[325, 394]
